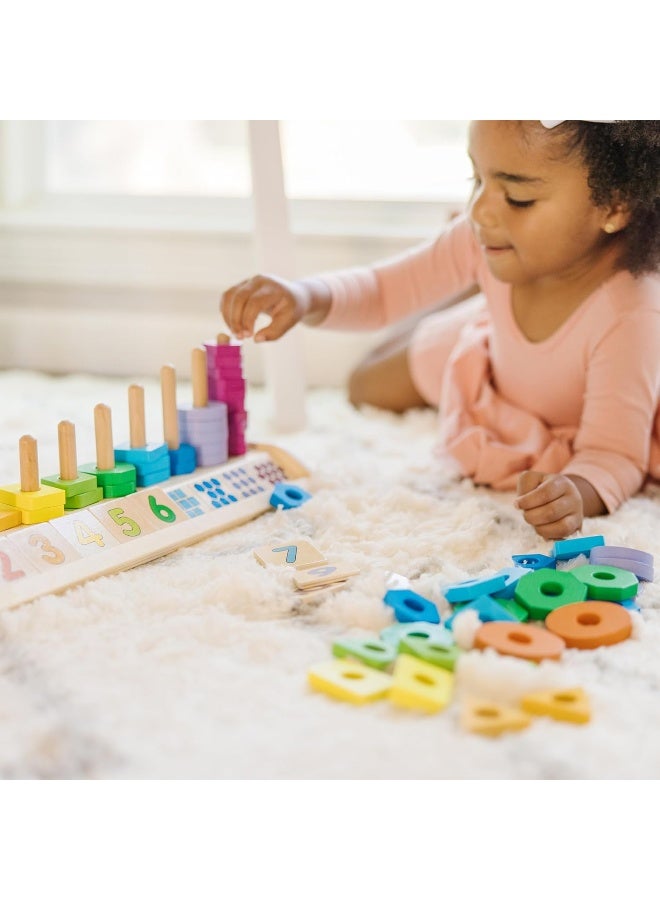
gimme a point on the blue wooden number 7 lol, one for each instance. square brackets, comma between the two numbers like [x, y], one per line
[291, 552]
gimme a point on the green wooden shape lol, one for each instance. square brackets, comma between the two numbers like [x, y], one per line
[515, 609]
[80, 485]
[79, 501]
[607, 582]
[393, 634]
[546, 589]
[121, 473]
[119, 490]
[372, 651]
[431, 651]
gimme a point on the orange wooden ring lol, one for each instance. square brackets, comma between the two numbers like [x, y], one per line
[594, 623]
[518, 639]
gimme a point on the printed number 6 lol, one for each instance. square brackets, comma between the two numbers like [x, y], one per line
[162, 512]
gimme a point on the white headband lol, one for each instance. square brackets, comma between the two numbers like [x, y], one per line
[552, 123]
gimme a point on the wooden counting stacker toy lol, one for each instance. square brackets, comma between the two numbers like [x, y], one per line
[204, 425]
[121, 532]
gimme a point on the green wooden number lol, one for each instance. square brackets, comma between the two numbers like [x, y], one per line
[162, 512]
[117, 516]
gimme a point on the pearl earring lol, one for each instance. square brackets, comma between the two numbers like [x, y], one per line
[610, 228]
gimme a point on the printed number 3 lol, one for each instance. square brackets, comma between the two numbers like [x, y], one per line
[56, 556]
[132, 528]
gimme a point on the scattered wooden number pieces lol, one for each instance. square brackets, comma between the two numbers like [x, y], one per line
[85, 532]
[325, 574]
[419, 685]
[346, 679]
[525, 641]
[565, 705]
[594, 623]
[299, 554]
[492, 719]
[44, 546]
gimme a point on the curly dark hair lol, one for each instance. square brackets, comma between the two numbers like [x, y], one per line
[623, 162]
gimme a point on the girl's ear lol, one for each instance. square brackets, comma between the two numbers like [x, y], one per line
[616, 217]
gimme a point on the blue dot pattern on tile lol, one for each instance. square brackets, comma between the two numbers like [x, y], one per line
[197, 497]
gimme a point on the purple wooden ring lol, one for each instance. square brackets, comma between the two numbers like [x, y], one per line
[640, 569]
[621, 553]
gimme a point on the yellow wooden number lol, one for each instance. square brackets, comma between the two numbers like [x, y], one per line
[86, 536]
[52, 555]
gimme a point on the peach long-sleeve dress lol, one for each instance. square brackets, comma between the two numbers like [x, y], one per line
[585, 401]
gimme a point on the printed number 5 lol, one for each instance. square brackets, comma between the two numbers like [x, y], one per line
[132, 528]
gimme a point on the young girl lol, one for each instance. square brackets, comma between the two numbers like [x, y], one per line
[548, 380]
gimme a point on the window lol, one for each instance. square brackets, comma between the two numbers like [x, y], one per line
[353, 161]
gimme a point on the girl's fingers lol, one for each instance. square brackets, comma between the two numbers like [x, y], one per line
[547, 492]
[282, 319]
[556, 531]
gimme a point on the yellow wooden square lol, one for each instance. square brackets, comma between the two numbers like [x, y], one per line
[491, 719]
[419, 685]
[346, 679]
[10, 517]
[564, 704]
[31, 500]
[325, 574]
[299, 554]
[34, 516]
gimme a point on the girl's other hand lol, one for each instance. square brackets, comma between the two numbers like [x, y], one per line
[552, 504]
[286, 302]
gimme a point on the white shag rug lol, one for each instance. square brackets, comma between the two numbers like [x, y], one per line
[195, 666]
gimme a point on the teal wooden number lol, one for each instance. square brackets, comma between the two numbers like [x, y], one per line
[291, 552]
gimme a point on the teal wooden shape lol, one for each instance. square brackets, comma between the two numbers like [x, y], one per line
[515, 609]
[534, 561]
[607, 582]
[487, 609]
[183, 460]
[409, 606]
[574, 546]
[147, 475]
[543, 590]
[372, 651]
[288, 496]
[394, 634]
[141, 456]
[513, 575]
[464, 591]
[438, 654]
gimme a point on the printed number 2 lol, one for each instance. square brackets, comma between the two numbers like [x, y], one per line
[118, 517]
[9, 574]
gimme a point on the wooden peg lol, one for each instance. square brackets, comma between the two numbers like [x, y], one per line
[105, 453]
[170, 417]
[137, 430]
[200, 385]
[66, 440]
[223, 338]
[27, 451]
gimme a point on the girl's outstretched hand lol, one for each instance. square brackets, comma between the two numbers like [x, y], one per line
[286, 302]
[551, 503]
